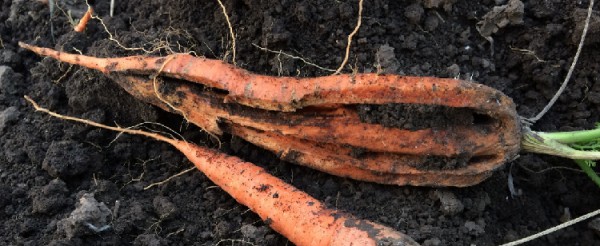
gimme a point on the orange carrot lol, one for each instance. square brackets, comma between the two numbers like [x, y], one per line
[312, 116]
[291, 93]
[296, 215]
[84, 20]
[322, 140]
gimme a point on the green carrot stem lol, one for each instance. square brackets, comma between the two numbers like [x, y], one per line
[539, 142]
[572, 137]
[589, 171]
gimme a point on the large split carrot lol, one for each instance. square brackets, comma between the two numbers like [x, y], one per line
[324, 140]
[296, 215]
[315, 117]
[315, 122]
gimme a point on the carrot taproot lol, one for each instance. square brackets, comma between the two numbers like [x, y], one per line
[80, 27]
[323, 138]
[291, 93]
[299, 112]
[337, 125]
[296, 215]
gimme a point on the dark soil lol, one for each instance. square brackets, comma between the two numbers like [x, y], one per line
[415, 116]
[67, 184]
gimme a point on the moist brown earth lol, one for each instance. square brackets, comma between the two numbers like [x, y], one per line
[67, 184]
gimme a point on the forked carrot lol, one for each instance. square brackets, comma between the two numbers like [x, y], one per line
[321, 138]
[84, 20]
[296, 215]
[314, 117]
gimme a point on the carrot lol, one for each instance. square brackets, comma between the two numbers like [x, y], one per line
[321, 140]
[291, 93]
[312, 116]
[84, 20]
[296, 215]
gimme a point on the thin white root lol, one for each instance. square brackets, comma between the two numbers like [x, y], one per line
[96, 124]
[573, 64]
[169, 178]
[112, 7]
[553, 229]
[294, 57]
[230, 31]
[358, 23]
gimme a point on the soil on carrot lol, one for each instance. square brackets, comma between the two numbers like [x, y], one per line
[415, 116]
[67, 184]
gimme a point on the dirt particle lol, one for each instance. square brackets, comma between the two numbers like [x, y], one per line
[432, 242]
[68, 158]
[164, 207]
[593, 33]
[431, 22]
[386, 60]
[475, 229]
[89, 217]
[9, 115]
[268, 221]
[500, 17]
[446, 4]
[149, 240]
[10, 82]
[263, 187]
[50, 198]
[450, 205]
[414, 13]
[223, 229]
[453, 70]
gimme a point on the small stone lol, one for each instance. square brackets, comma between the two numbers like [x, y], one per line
[149, 240]
[595, 225]
[474, 228]
[163, 207]
[431, 23]
[89, 217]
[50, 198]
[453, 70]
[386, 59]
[9, 57]
[8, 116]
[414, 13]
[432, 242]
[69, 158]
[450, 205]
[9, 80]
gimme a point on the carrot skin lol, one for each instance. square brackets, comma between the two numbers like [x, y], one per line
[289, 211]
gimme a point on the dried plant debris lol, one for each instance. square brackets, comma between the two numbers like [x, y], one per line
[500, 17]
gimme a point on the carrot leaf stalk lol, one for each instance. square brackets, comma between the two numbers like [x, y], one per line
[581, 146]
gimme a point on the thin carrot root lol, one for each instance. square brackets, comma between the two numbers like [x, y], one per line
[84, 20]
[296, 215]
[317, 117]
